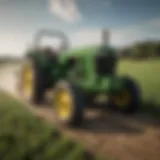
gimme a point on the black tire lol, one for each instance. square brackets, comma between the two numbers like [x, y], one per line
[77, 109]
[89, 100]
[39, 89]
[135, 100]
[37, 96]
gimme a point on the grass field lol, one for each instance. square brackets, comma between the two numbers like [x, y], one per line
[25, 137]
[147, 74]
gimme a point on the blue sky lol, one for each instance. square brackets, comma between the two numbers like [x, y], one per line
[81, 20]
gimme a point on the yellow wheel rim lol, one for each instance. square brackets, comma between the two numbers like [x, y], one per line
[122, 100]
[63, 104]
[27, 81]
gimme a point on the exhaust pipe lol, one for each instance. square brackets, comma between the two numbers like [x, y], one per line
[105, 37]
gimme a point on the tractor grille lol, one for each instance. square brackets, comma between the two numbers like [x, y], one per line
[104, 65]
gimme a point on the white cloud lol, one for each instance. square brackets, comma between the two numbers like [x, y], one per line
[65, 9]
[85, 37]
[16, 42]
[145, 31]
[13, 43]
[155, 22]
[119, 37]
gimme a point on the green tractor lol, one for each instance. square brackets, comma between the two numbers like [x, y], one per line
[77, 77]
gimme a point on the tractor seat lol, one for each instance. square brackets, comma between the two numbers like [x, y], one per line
[50, 52]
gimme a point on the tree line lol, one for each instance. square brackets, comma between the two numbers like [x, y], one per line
[8, 59]
[142, 50]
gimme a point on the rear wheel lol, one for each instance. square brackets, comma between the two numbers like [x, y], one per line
[68, 103]
[128, 100]
[30, 83]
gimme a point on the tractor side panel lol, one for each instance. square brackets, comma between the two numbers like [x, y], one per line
[109, 85]
[47, 66]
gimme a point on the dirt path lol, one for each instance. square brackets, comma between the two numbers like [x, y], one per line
[108, 134]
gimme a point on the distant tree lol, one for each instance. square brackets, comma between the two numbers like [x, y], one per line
[145, 49]
[157, 49]
[139, 51]
[126, 52]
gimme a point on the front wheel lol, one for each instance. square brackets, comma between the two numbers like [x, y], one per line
[128, 100]
[30, 83]
[69, 103]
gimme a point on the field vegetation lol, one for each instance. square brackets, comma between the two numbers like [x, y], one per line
[23, 136]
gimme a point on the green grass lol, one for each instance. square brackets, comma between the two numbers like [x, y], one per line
[147, 74]
[23, 136]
